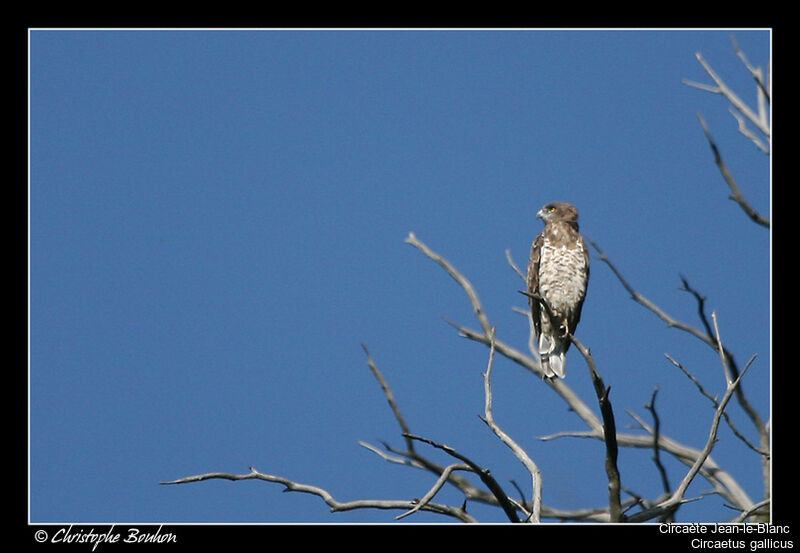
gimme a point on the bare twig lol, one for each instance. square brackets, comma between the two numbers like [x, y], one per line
[461, 279]
[639, 298]
[726, 369]
[444, 477]
[694, 380]
[513, 265]
[508, 505]
[335, 505]
[758, 75]
[736, 193]
[662, 471]
[745, 130]
[403, 458]
[387, 391]
[656, 432]
[744, 515]
[701, 302]
[720, 87]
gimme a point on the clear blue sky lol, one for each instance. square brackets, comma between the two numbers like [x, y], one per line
[217, 222]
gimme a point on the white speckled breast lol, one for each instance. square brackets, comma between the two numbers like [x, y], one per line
[562, 277]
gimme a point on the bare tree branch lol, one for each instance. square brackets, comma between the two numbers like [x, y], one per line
[335, 505]
[444, 477]
[714, 401]
[720, 87]
[639, 298]
[414, 459]
[411, 457]
[743, 113]
[745, 130]
[712, 341]
[533, 469]
[706, 337]
[747, 513]
[758, 75]
[730, 363]
[387, 391]
[726, 369]
[678, 495]
[461, 279]
[513, 265]
[609, 433]
[507, 504]
[656, 451]
[575, 403]
[736, 193]
[722, 483]
[701, 302]
[401, 459]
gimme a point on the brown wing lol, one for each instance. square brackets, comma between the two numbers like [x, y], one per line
[533, 282]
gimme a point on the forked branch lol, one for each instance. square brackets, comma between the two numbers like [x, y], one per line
[335, 505]
[521, 454]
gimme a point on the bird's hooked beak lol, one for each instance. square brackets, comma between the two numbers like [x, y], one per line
[540, 214]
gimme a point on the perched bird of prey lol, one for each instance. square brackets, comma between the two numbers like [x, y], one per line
[558, 272]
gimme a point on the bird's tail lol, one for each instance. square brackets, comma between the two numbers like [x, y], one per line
[552, 355]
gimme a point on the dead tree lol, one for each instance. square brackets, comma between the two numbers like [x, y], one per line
[698, 461]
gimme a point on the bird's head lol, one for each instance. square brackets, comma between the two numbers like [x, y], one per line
[559, 211]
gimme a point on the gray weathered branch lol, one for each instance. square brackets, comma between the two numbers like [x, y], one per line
[536, 475]
[326, 496]
[677, 496]
[736, 193]
[719, 87]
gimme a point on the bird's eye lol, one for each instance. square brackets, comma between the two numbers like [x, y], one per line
[551, 208]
